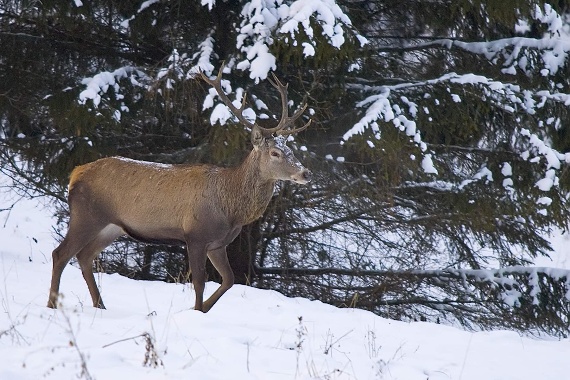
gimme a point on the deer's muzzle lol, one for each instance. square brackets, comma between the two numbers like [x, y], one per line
[302, 177]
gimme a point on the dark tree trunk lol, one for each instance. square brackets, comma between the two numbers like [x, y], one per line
[147, 262]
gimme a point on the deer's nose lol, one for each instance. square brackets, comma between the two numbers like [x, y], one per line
[307, 175]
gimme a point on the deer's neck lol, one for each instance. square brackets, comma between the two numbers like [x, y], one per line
[248, 193]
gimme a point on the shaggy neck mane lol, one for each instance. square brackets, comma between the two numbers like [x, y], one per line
[256, 191]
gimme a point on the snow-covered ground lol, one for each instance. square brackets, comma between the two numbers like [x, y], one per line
[249, 334]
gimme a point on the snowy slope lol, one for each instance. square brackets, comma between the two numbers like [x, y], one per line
[249, 334]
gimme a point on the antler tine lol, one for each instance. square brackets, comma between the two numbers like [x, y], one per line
[217, 84]
[286, 120]
[282, 88]
[294, 130]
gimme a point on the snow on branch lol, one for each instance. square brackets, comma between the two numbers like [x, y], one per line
[99, 85]
[144, 6]
[208, 3]
[262, 19]
[326, 12]
[204, 57]
[515, 52]
[385, 106]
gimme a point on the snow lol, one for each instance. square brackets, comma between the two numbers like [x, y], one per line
[484, 173]
[544, 201]
[553, 49]
[327, 12]
[98, 85]
[209, 3]
[308, 49]
[221, 114]
[261, 61]
[508, 183]
[549, 16]
[522, 27]
[427, 165]
[249, 334]
[146, 4]
[548, 181]
[156, 165]
[561, 258]
[263, 19]
[507, 169]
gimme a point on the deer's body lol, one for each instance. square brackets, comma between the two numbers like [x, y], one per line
[170, 203]
[201, 206]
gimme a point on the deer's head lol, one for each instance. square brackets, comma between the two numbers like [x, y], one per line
[277, 161]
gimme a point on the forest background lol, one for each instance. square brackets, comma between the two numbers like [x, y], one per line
[438, 142]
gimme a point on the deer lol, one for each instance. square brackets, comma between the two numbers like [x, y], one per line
[201, 206]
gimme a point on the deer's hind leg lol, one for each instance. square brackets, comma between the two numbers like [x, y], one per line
[80, 234]
[88, 253]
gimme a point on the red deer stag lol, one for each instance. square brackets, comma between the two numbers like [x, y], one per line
[201, 206]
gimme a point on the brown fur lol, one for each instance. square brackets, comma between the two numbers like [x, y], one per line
[201, 206]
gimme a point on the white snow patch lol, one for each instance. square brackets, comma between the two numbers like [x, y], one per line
[507, 169]
[548, 181]
[427, 165]
[308, 49]
[544, 201]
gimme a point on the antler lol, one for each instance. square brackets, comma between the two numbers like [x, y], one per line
[217, 84]
[286, 120]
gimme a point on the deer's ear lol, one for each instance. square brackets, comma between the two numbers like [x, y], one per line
[257, 138]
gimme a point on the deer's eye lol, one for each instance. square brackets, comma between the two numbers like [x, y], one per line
[275, 154]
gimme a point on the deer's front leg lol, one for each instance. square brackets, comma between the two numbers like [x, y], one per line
[219, 259]
[197, 260]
